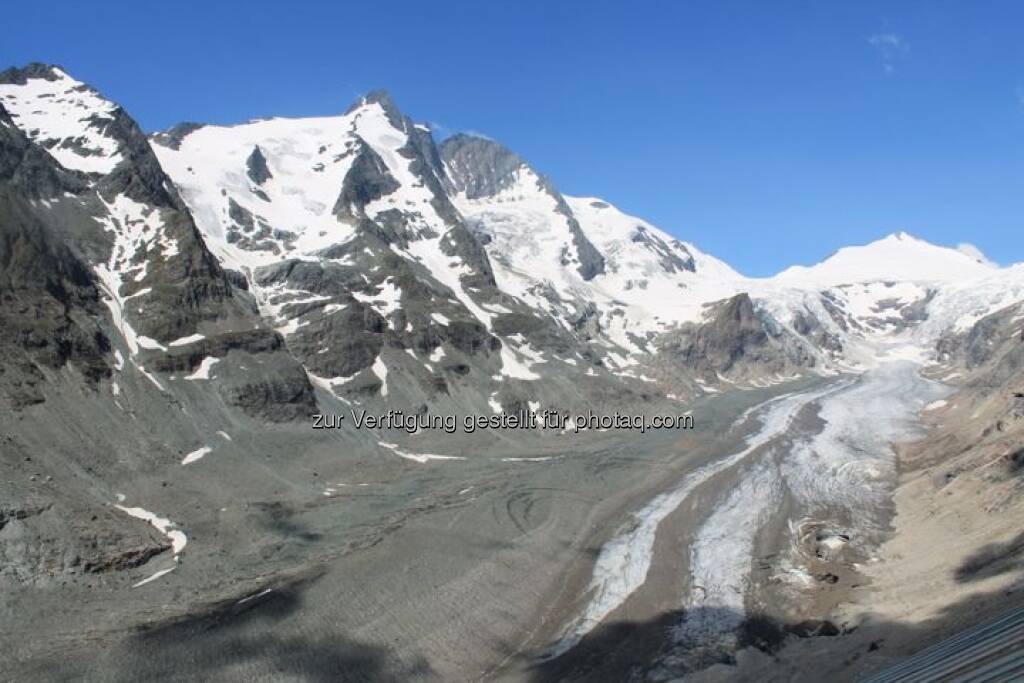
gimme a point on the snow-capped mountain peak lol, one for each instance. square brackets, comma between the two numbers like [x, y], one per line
[478, 167]
[380, 98]
[896, 257]
[492, 182]
[65, 116]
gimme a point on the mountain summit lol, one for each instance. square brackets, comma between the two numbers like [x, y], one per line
[899, 256]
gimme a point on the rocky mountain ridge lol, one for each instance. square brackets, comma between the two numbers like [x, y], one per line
[370, 249]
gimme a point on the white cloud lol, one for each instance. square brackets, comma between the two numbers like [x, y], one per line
[891, 48]
[440, 130]
[975, 253]
[478, 134]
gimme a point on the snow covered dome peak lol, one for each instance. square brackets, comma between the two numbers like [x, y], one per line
[898, 256]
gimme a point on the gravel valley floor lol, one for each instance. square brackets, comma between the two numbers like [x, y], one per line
[599, 556]
[449, 570]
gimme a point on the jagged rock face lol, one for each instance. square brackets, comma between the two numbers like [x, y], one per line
[266, 383]
[172, 137]
[598, 272]
[367, 180]
[48, 295]
[85, 133]
[155, 238]
[481, 169]
[382, 99]
[95, 224]
[256, 167]
[28, 168]
[881, 307]
[41, 546]
[994, 343]
[185, 290]
[588, 260]
[673, 257]
[734, 342]
[49, 305]
[358, 319]
[976, 435]
[380, 274]
[810, 328]
[63, 116]
[254, 233]
[138, 175]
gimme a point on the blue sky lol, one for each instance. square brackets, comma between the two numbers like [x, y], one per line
[766, 133]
